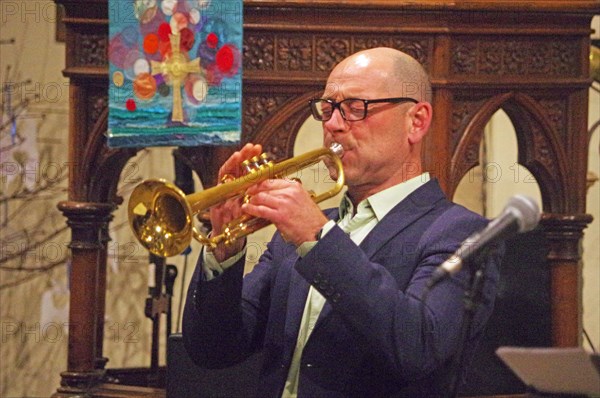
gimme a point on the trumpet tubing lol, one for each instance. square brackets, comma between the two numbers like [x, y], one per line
[161, 215]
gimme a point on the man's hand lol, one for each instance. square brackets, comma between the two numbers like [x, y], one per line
[287, 205]
[230, 209]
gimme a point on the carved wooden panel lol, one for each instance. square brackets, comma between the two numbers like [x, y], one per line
[256, 109]
[556, 114]
[289, 51]
[92, 50]
[97, 103]
[259, 52]
[294, 53]
[508, 56]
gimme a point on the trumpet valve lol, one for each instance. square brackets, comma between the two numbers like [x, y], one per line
[256, 163]
[264, 159]
[246, 165]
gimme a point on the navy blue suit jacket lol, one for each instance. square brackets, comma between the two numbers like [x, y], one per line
[374, 337]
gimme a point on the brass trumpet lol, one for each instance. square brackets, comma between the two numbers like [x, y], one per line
[161, 215]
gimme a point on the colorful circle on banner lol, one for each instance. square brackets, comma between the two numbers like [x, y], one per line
[141, 65]
[187, 39]
[151, 43]
[206, 54]
[151, 20]
[159, 79]
[131, 58]
[178, 22]
[168, 6]
[212, 40]
[130, 105]
[164, 30]
[200, 90]
[148, 15]
[144, 86]
[194, 16]
[196, 89]
[141, 7]
[118, 78]
[164, 90]
[228, 59]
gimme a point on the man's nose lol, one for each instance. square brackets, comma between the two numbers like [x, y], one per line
[336, 123]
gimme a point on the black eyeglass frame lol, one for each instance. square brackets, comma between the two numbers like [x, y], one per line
[312, 103]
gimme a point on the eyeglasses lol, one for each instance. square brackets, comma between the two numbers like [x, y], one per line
[351, 109]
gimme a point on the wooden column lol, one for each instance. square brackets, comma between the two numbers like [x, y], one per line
[88, 223]
[564, 259]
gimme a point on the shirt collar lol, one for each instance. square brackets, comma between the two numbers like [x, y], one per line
[382, 202]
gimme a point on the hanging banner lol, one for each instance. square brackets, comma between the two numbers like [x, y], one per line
[175, 69]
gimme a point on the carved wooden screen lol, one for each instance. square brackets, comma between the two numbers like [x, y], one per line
[527, 58]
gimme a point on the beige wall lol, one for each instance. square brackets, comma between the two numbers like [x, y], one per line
[591, 248]
[33, 303]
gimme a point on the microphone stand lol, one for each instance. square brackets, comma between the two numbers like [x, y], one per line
[159, 302]
[472, 299]
[155, 306]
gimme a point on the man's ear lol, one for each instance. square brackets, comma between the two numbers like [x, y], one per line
[421, 115]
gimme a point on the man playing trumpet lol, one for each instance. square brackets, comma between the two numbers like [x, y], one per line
[335, 302]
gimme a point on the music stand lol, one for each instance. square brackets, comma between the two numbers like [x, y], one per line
[571, 371]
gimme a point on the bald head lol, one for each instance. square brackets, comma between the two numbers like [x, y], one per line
[393, 71]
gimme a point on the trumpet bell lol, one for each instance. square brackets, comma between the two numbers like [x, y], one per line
[160, 217]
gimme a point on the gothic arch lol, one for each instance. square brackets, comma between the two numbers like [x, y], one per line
[278, 132]
[101, 166]
[538, 146]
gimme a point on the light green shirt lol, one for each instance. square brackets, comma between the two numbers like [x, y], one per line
[368, 213]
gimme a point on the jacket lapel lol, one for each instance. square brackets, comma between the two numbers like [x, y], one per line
[401, 216]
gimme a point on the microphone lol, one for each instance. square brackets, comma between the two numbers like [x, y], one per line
[521, 214]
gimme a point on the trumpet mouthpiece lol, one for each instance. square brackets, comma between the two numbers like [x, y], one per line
[337, 149]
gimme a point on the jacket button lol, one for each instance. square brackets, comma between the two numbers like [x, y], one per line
[336, 297]
[317, 278]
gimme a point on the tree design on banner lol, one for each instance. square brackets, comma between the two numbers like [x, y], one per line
[175, 72]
